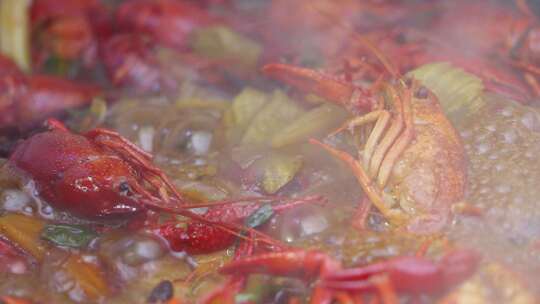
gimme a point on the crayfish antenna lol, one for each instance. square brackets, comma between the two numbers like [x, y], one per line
[232, 228]
[392, 70]
[284, 201]
[139, 158]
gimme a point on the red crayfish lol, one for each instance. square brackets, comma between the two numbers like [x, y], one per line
[412, 150]
[197, 237]
[403, 275]
[82, 30]
[130, 61]
[484, 39]
[69, 29]
[27, 100]
[167, 22]
[171, 25]
[100, 175]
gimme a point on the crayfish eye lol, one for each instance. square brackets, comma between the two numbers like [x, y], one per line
[124, 188]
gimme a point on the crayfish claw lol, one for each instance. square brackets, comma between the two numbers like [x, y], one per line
[312, 82]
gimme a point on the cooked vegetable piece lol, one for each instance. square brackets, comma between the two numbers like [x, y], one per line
[279, 169]
[260, 216]
[311, 123]
[201, 103]
[246, 105]
[460, 93]
[219, 42]
[279, 112]
[69, 235]
[25, 232]
[193, 96]
[92, 117]
[88, 276]
[14, 31]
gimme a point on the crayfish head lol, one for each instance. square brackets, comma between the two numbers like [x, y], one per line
[100, 189]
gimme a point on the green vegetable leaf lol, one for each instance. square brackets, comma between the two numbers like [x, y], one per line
[75, 236]
[260, 216]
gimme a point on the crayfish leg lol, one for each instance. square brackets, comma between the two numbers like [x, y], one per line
[401, 142]
[379, 283]
[225, 293]
[358, 274]
[372, 191]
[381, 125]
[361, 214]
[395, 129]
[385, 289]
[136, 156]
[291, 263]
[128, 145]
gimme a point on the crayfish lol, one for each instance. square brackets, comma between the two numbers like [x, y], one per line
[199, 238]
[69, 30]
[404, 275]
[131, 61]
[412, 167]
[102, 176]
[27, 100]
[167, 22]
[137, 54]
[98, 175]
